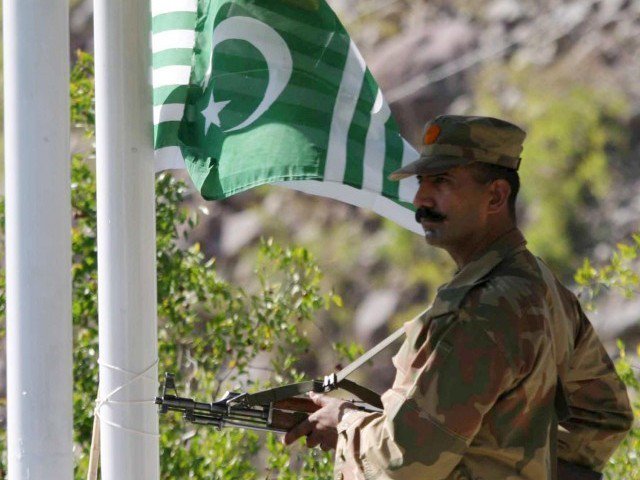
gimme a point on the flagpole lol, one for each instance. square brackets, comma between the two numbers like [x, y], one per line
[126, 241]
[38, 240]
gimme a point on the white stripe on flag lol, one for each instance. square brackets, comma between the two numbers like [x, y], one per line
[346, 101]
[158, 7]
[375, 146]
[169, 112]
[408, 186]
[168, 158]
[360, 198]
[171, 39]
[172, 75]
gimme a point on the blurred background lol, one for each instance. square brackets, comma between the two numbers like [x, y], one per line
[566, 71]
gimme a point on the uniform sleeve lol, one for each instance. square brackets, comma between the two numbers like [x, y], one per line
[433, 411]
[600, 414]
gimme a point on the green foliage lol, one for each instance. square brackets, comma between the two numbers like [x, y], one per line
[348, 351]
[84, 294]
[420, 264]
[626, 461]
[619, 275]
[83, 109]
[566, 165]
[314, 463]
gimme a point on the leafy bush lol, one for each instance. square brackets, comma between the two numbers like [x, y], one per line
[619, 275]
[625, 464]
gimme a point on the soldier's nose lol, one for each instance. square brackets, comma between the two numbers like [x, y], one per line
[422, 198]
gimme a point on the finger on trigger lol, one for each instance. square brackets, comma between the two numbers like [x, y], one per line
[313, 439]
[300, 430]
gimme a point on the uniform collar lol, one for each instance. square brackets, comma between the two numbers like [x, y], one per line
[451, 295]
[485, 261]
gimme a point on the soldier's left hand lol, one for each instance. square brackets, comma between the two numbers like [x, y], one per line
[320, 427]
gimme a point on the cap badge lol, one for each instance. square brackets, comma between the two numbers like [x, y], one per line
[432, 134]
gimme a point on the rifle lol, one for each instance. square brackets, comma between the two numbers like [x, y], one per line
[258, 411]
[277, 409]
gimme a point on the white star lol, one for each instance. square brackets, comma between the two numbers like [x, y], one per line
[212, 112]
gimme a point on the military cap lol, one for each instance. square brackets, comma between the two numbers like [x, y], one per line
[453, 140]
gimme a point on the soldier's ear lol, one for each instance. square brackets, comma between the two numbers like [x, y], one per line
[499, 191]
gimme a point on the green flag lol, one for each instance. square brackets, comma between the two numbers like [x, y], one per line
[264, 91]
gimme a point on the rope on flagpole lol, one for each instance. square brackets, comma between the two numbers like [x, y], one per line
[94, 457]
[94, 454]
[100, 402]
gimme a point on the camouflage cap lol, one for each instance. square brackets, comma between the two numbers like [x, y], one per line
[453, 140]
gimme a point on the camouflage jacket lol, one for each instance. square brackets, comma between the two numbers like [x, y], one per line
[473, 396]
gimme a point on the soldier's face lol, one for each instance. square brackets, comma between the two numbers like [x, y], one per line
[452, 208]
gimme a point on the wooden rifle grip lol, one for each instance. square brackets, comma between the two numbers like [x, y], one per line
[290, 412]
[287, 420]
[297, 404]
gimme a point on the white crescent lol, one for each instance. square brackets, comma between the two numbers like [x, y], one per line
[272, 47]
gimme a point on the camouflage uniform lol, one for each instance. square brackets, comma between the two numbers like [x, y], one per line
[473, 396]
[474, 392]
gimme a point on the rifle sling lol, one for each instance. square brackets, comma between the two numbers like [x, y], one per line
[369, 355]
[333, 381]
[276, 394]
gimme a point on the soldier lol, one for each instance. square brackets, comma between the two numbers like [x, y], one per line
[481, 376]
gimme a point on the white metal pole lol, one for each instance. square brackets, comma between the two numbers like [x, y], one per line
[38, 239]
[126, 240]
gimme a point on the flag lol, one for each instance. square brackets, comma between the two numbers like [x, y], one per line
[250, 92]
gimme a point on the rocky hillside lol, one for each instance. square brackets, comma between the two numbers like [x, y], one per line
[429, 64]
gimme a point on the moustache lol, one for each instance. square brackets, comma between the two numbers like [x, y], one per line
[424, 213]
